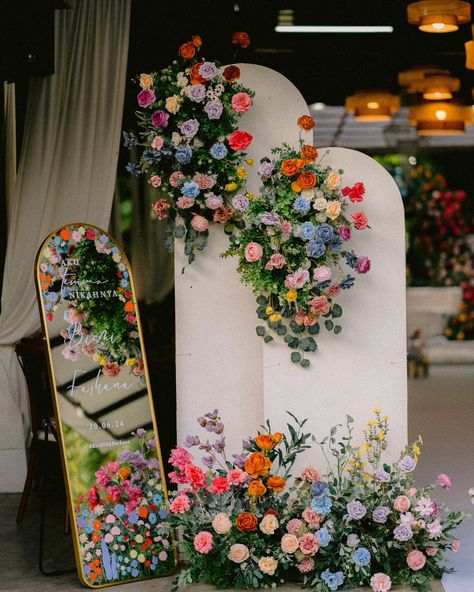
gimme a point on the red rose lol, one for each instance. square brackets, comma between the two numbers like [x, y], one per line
[241, 38]
[231, 73]
[240, 140]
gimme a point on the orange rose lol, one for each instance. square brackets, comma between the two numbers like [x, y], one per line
[195, 76]
[97, 525]
[276, 483]
[256, 488]
[65, 234]
[95, 537]
[296, 187]
[124, 473]
[309, 153]
[300, 163]
[307, 180]
[289, 168]
[264, 442]
[306, 122]
[247, 522]
[257, 465]
[197, 41]
[129, 306]
[187, 50]
[278, 437]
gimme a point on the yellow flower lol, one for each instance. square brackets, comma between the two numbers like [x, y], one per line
[274, 318]
[359, 452]
[102, 360]
[241, 173]
[420, 440]
[381, 435]
[385, 417]
[249, 195]
[291, 296]
[146, 80]
[366, 446]
[231, 186]
[173, 104]
[372, 423]
[377, 410]
[131, 362]
[269, 310]
[416, 450]
[249, 161]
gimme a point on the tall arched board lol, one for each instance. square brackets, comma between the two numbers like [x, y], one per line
[105, 418]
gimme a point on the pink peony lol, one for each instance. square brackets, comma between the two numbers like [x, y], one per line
[111, 370]
[320, 305]
[294, 525]
[195, 476]
[360, 220]
[306, 565]
[237, 476]
[297, 279]
[444, 481]
[220, 485]
[214, 201]
[180, 457]
[160, 208]
[380, 582]
[253, 252]
[155, 180]
[176, 179]
[203, 542]
[416, 560]
[312, 518]
[185, 203]
[322, 273]
[241, 102]
[402, 503]
[309, 544]
[204, 181]
[180, 504]
[199, 223]
[276, 261]
[157, 143]
[310, 474]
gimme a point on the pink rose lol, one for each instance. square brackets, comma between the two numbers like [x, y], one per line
[431, 551]
[334, 291]
[309, 544]
[320, 305]
[402, 503]
[237, 476]
[240, 140]
[344, 232]
[241, 102]
[363, 264]
[312, 518]
[220, 485]
[380, 582]
[412, 491]
[195, 476]
[455, 545]
[360, 220]
[322, 273]
[180, 504]
[416, 560]
[176, 178]
[203, 542]
[155, 181]
[294, 525]
[297, 279]
[185, 202]
[160, 207]
[253, 252]
[146, 97]
[199, 223]
[310, 474]
[157, 143]
[276, 261]
[289, 543]
[221, 523]
[159, 118]
[306, 565]
[444, 481]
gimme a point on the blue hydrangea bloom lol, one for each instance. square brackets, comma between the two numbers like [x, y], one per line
[157, 499]
[301, 205]
[316, 248]
[336, 243]
[129, 140]
[184, 154]
[190, 189]
[324, 537]
[325, 232]
[361, 556]
[218, 151]
[133, 169]
[152, 518]
[321, 504]
[319, 488]
[308, 230]
[351, 258]
[332, 580]
[119, 510]
[347, 283]
[151, 156]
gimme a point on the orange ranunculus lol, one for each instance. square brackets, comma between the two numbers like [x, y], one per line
[264, 442]
[296, 186]
[187, 50]
[276, 483]
[143, 512]
[300, 163]
[194, 76]
[95, 537]
[309, 153]
[65, 234]
[92, 576]
[241, 38]
[97, 525]
[278, 437]
[289, 168]
[197, 41]
[257, 465]
[129, 306]
[124, 473]
[247, 522]
[98, 571]
[307, 180]
[256, 488]
[306, 122]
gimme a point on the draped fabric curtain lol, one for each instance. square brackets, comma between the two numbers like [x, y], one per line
[66, 174]
[9, 118]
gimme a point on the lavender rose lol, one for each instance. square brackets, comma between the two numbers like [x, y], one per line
[160, 118]
[407, 464]
[380, 514]
[189, 128]
[269, 218]
[196, 93]
[356, 510]
[208, 70]
[265, 169]
[240, 202]
[403, 533]
[382, 476]
[213, 109]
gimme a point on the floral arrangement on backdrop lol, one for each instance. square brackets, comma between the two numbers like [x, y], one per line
[292, 248]
[190, 146]
[119, 520]
[245, 523]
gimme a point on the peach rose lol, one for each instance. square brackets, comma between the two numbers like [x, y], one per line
[247, 522]
[289, 543]
[289, 167]
[265, 442]
[199, 223]
[268, 565]
[238, 553]
[256, 488]
[253, 252]
[333, 209]
[333, 180]
[172, 104]
[416, 560]
[402, 503]
[269, 524]
[276, 483]
[257, 465]
[146, 81]
[221, 523]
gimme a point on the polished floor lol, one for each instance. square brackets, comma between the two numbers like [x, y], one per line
[441, 408]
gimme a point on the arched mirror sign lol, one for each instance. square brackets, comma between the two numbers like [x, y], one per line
[104, 410]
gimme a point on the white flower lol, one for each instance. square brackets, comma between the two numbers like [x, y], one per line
[307, 194]
[407, 519]
[321, 217]
[353, 540]
[175, 139]
[197, 143]
[424, 506]
[182, 81]
[320, 204]
[99, 510]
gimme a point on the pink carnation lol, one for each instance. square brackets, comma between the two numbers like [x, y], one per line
[355, 193]
[180, 457]
[160, 207]
[444, 481]
[320, 305]
[237, 476]
[203, 542]
[241, 102]
[431, 551]
[310, 474]
[220, 485]
[199, 223]
[334, 291]
[176, 178]
[180, 504]
[185, 202]
[294, 525]
[204, 181]
[309, 544]
[297, 279]
[360, 220]
[312, 518]
[111, 370]
[194, 476]
[380, 582]
[306, 565]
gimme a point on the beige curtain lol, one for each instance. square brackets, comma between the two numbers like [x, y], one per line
[9, 118]
[67, 173]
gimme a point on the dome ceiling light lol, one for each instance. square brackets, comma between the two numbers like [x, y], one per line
[373, 105]
[469, 45]
[434, 85]
[437, 118]
[439, 16]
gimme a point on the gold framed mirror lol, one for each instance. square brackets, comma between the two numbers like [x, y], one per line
[105, 418]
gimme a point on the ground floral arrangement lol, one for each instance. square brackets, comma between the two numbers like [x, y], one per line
[292, 250]
[190, 147]
[245, 523]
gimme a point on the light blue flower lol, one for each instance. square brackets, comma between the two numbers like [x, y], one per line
[325, 232]
[157, 499]
[361, 557]
[307, 231]
[332, 580]
[319, 488]
[184, 154]
[119, 510]
[190, 189]
[218, 151]
[316, 248]
[152, 519]
[324, 537]
[133, 517]
[321, 504]
[301, 205]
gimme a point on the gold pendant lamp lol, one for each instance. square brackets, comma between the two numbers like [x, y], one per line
[439, 16]
[373, 105]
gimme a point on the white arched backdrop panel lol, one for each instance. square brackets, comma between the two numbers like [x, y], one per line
[219, 361]
[67, 173]
[365, 365]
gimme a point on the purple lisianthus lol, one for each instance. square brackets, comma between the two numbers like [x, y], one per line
[208, 70]
[382, 476]
[213, 109]
[266, 169]
[345, 232]
[240, 202]
[196, 93]
[363, 264]
[407, 464]
[403, 533]
[191, 441]
[356, 510]
[160, 118]
[380, 514]
[189, 128]
[269, 218]
[146, 97]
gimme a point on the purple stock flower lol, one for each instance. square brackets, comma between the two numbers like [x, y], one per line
[160, 118]
[208, 70]
[382, 476]
[191, 441]
[208, 461]
[246, 444]
[205, 446]
[212, 415]
[189, 128]
[265, 169]
[196, 93]
[146, 97]
[269, 218]
[154, 464]
[219, 444]
[240, 202]
[151, 443]
[356, 510]
[407, 464]
[403, 533]
[381, 514]
[214, 109]
[140, 433]
[239, 459]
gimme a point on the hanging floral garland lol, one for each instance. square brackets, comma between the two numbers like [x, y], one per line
[292, 249]
[190, 147]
